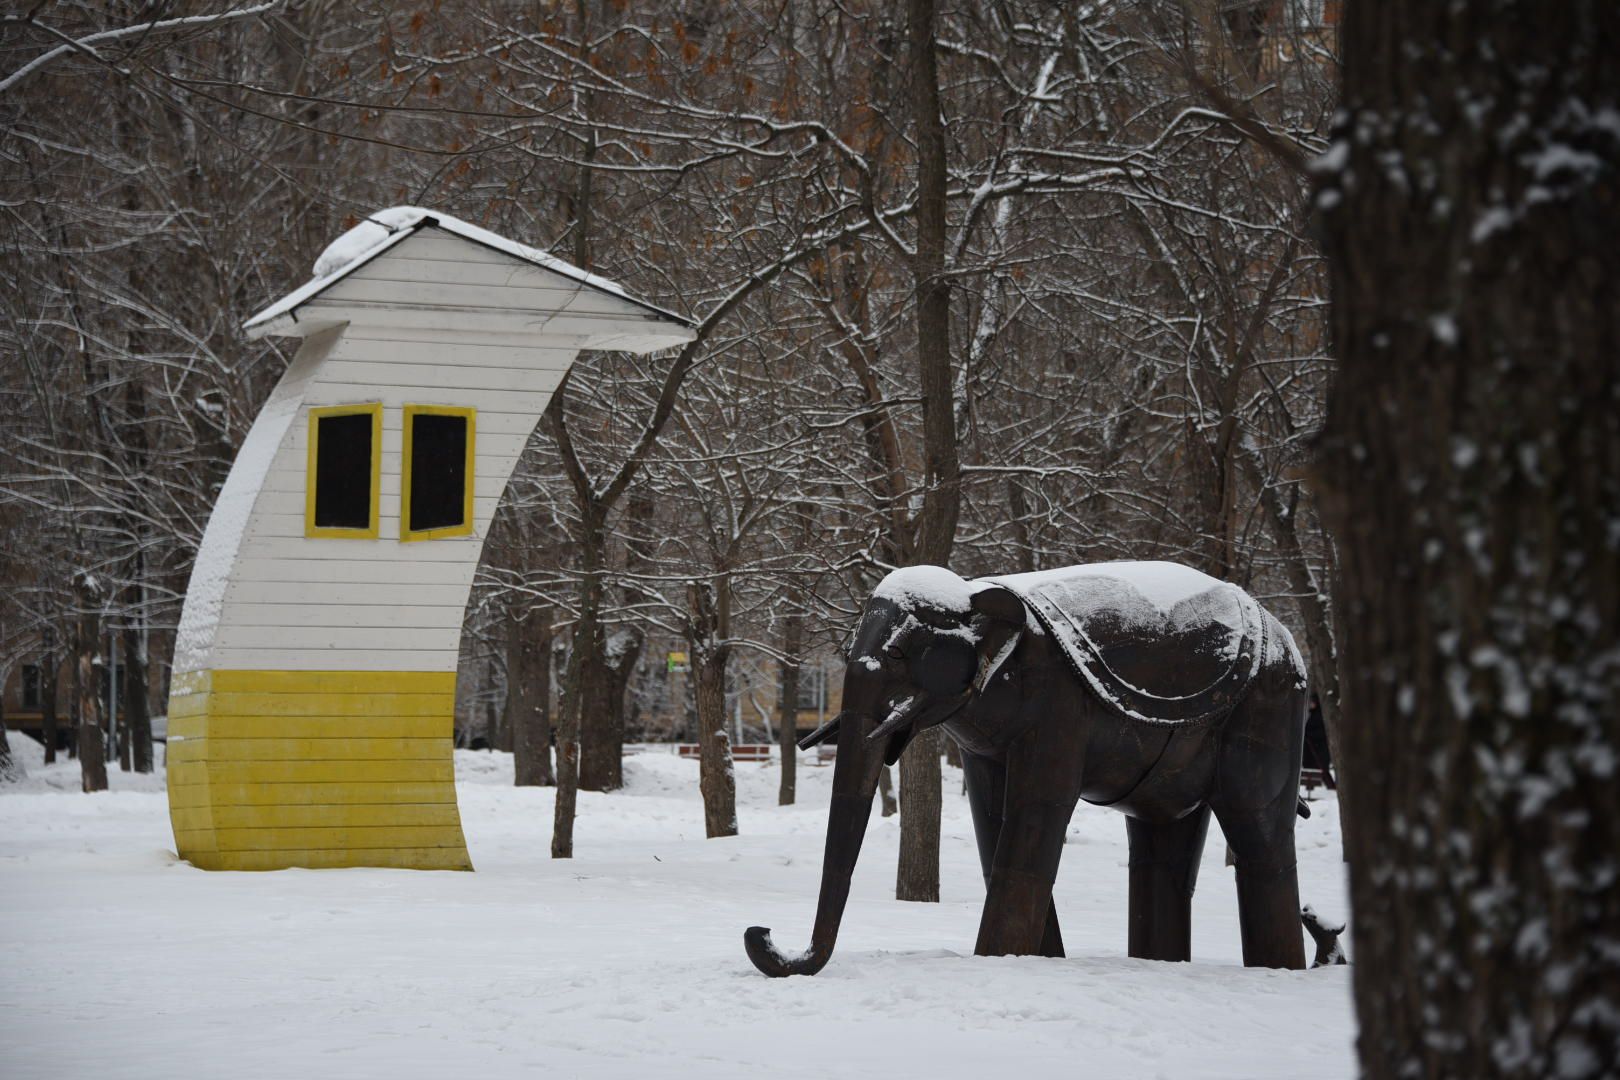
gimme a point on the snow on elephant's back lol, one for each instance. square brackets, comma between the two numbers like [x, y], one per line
[1116, 622]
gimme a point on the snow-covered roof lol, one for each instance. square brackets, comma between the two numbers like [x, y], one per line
[385, 229]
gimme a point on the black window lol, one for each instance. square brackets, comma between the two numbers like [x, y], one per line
[344, 470]
[437, 496]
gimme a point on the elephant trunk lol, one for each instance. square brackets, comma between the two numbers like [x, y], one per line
[855, 780]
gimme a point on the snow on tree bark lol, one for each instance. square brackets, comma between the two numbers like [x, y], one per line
[1470, 469]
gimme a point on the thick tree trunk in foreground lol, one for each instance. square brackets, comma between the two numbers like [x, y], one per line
[528, 697]
[1471, 470]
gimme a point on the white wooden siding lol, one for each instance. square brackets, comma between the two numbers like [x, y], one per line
[295, 603]
[435, 320]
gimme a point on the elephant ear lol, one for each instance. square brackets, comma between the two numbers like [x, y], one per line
[946, 666]
[998, 617]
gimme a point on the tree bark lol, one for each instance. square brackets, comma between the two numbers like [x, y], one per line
[1468, 470]
[562, 826]
[886, 792]
[920, 800]
[91, 742]
[601, 731]
[10, 769]
[918, 876]
[787, 708]
[706, 630]
[528, 696]
[47, 695]
[137, 729]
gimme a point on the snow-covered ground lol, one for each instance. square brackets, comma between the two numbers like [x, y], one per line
[116, 960]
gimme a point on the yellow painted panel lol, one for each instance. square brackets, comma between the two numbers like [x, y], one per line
[311, 772]
[192, 841]
[380, 792]
[359, 837]
[307, 815]
[307, 704]
[279, 768]
[334, 682]
[440, 727]
[439, 858]
[227, 750]
[186, 727]
[190, 818]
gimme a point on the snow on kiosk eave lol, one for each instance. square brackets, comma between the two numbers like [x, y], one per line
[385, 229]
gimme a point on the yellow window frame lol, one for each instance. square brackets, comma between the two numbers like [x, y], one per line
[406, 533]
[373, 409]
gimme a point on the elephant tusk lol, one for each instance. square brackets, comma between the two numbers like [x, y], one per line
[903, 715]
[822, 733]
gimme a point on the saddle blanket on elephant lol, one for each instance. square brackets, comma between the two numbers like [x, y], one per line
[1155, 641]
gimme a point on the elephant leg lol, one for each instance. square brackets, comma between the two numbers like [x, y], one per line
[1256, 795]
[1267, 884]
[1042, 787]
[1164, 871]
[987, 794]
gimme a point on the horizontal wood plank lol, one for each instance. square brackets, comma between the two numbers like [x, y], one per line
[443, 858]
[324, 815]
[437, 726]
[304, 702]
[217, 750]
[320, 639]
[273, 773]
[401, 660]
[239, 793]
[341, 837]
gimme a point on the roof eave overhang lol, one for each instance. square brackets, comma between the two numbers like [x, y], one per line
[281, 319]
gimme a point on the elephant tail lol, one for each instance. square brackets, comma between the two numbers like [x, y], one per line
[1329, 952]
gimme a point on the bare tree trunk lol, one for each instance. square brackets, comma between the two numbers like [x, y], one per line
[708, 617]
[528, 697]
[1313, 609]
[920, 800]
[918, 876]
[91, 741]
[47, 695]
[787, 708]
[10, 769]
[716, 778]
[562, 828]
[623, 653]
[1468, 468]
[137, 729]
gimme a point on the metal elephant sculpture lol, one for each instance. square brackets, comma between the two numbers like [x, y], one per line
[1147, 687]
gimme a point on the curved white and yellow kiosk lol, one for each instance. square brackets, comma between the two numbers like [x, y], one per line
[312, 703]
